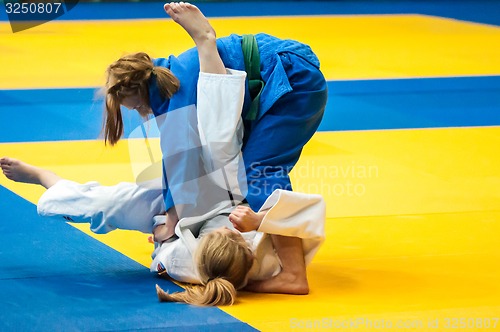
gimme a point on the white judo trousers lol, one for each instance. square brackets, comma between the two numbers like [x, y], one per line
[134, 207]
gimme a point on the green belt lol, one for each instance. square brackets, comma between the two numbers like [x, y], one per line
[252, 67]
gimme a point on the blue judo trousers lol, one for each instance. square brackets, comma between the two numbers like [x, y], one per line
[291, 107]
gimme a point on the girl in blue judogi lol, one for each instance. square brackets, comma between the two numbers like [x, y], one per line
[285, 97]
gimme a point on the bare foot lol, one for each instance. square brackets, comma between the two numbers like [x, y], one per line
[197, 26]
[19, 171]
[283, 283]
[192, 20]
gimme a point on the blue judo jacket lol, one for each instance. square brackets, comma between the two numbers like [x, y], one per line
[291, 107]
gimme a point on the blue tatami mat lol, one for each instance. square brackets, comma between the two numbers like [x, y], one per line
[352, 105]
[55, 278]
[55, 115]
[412, 103]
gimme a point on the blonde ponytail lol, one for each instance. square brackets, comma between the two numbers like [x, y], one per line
[218, 291]
[223, 262]
[129, 76]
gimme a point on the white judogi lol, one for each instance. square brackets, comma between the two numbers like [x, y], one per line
[290, 214]
[129, 206]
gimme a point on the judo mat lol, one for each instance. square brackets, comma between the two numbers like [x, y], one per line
[406, 158]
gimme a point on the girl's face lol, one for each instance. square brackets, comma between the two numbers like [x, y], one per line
[135, 102]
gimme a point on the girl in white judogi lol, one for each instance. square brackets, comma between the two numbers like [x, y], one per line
[207, 250]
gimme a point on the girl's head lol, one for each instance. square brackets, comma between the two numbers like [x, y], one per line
[223, 260]
[127, 84]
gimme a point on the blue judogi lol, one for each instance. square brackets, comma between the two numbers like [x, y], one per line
[291, 108]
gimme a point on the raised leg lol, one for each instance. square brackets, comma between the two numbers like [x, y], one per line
[197, 26]
[19, 171]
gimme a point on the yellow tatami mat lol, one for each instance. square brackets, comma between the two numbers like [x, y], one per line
[414, 248]
[76, 53]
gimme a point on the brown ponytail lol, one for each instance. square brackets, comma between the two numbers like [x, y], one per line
[223, 262]
[128, 76]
